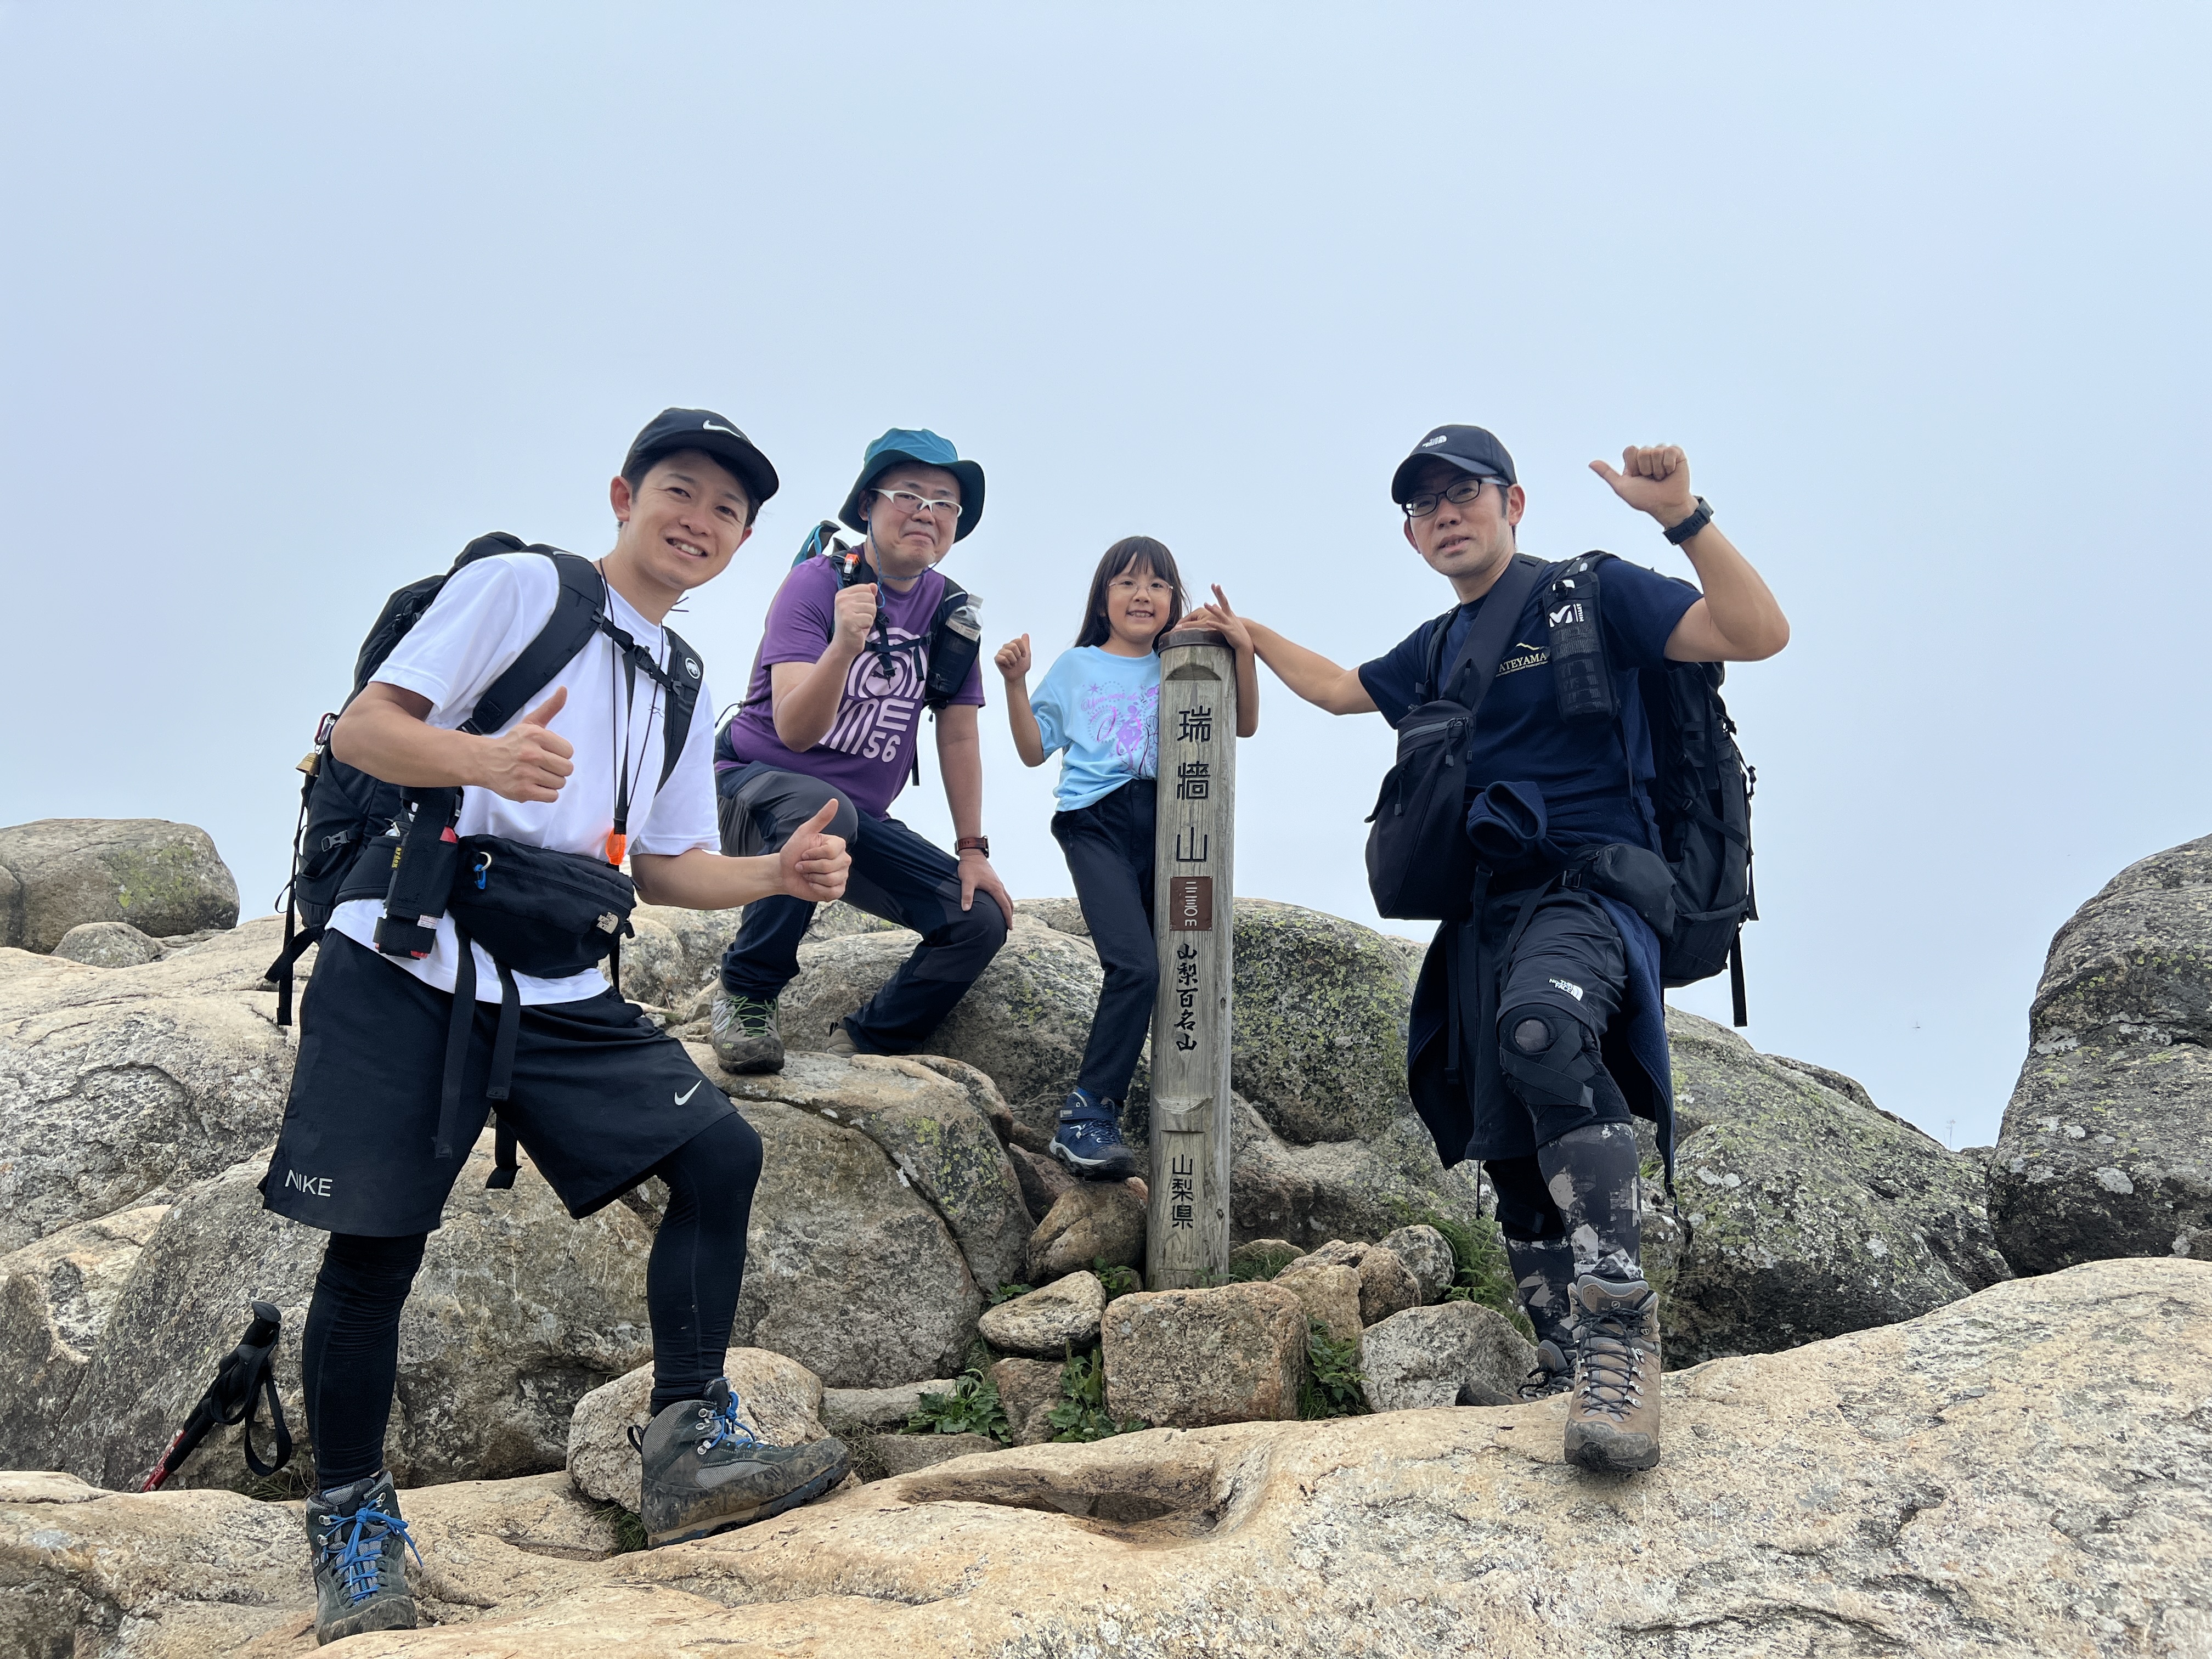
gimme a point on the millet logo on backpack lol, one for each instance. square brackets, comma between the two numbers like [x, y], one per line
[314, 1186]
[691, 666]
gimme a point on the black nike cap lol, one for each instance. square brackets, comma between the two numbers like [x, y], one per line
[1470, 448]
[702, 429]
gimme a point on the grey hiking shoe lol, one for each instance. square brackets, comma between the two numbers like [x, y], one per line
[360, 1546]
[1555, 1373]
[705, 1472]
[840, 1042]
[1613, 1413]
[742, 1034]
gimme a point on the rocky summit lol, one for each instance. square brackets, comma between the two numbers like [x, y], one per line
[1918, 1401]
[2025, 1471]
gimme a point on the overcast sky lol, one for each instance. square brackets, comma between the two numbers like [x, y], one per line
[298, 300]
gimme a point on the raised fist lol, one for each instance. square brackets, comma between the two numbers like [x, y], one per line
[856, 614]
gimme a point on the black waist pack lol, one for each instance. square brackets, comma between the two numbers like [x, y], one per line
[1421, 864]
[537, 911]
[1636, 876]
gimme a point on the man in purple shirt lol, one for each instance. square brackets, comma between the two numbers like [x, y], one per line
[834, 713]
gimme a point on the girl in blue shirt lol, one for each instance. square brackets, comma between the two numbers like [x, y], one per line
[1100, 704]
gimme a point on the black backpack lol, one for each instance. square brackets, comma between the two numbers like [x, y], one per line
[1701, 788]
[342, 809]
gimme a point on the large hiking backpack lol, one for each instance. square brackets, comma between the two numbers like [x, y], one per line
[1701, 791]
[1701, 788]
[343, 810]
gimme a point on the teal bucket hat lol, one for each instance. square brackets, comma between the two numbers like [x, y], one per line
[905, 444]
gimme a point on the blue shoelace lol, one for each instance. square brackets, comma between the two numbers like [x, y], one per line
[728, 1429]
[360, 1557]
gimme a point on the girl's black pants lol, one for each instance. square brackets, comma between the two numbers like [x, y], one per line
[1109, 845]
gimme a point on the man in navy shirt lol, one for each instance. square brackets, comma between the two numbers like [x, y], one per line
[1581, 1039]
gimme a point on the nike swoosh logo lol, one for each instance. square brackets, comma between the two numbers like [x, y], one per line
[710, 426]
[689, 1092]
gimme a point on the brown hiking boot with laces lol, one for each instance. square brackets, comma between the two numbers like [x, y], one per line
[1612, 1411]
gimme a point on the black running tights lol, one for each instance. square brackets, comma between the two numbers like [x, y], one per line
[350, 1356]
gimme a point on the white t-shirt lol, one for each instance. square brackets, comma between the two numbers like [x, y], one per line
[480, 623]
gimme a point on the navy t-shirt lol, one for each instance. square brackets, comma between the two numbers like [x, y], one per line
[1584, 771]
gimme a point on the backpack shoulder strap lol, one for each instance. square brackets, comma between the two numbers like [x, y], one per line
[1433, 656]
[576, 612]
[1485, 646]
[685, 675]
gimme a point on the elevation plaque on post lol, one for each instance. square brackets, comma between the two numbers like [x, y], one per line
[1187, 1234]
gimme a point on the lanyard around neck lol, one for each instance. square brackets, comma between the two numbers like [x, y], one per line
[623, 697]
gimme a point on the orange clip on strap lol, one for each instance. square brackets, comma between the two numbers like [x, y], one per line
[617, 845]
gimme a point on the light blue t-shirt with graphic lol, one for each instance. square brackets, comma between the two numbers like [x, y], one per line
[1105, 711]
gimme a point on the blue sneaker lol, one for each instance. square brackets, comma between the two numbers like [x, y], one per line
[1090, 1140]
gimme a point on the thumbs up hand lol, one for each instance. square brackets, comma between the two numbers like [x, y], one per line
[530, 762]
[812, 863]
[1654, 480]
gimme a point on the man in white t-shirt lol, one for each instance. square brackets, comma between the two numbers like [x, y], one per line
[599, 1097]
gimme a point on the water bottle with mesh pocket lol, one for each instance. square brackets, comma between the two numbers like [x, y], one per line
[1579, 676]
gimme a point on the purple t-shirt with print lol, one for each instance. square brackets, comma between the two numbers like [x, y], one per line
[868, 753]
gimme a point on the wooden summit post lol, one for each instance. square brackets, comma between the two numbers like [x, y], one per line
[1186, 1231]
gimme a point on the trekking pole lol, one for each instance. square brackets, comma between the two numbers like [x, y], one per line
[230, 1399]
[1187, 1230]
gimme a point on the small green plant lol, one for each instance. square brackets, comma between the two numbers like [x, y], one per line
[1081, 1413]
[1258, 1266]
[1118, 1281]
[629, 1530]
[1480, 1271]
[1331, 1387]
[972, 1407]
[1008, 1292]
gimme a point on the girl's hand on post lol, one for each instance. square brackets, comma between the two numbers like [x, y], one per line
[1013, 659]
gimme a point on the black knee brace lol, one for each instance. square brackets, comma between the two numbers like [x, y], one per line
[1549, 1059]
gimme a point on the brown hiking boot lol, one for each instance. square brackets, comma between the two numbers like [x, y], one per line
[1612, 1412]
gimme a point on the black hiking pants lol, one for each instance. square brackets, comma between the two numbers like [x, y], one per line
[896, 875]
[1108, 846]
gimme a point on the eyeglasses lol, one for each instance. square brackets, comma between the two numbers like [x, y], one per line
[907, 501]
[1419, 506]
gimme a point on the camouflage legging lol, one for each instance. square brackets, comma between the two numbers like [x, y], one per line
[1571, 1209]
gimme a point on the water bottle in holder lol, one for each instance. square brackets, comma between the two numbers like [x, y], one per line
[1579, 675]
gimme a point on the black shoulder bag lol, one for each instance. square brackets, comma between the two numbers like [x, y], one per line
[1420, 865]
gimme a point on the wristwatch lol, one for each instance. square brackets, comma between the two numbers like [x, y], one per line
[1691, 526]
[979, 843]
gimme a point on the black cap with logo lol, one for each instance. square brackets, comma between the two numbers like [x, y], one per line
[702, 429]
[1469, 448]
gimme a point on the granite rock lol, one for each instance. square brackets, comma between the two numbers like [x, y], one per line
[2106, 1145]
[159, 877]
[1189, 1359]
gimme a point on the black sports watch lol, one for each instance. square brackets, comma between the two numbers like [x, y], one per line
[1691, 526]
